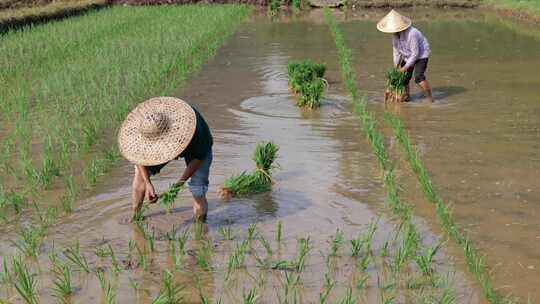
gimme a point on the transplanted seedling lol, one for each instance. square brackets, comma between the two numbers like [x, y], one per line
[169, 292]
[24, 282]
[73, 254]
[63, 287]
[260, 180]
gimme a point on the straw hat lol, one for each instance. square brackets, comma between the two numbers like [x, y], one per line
[157, 131]
[393, 22]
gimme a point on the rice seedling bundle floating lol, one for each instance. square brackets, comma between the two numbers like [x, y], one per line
[306, 80]
[395, 86]
[257, 181]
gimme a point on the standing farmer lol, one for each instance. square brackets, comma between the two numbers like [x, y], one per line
[162, 129]
[411, 50]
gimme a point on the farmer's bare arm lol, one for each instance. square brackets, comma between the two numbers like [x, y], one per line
[150, 192]
[190, 169]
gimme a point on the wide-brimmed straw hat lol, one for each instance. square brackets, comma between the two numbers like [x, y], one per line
[393, 22]
[157, 131]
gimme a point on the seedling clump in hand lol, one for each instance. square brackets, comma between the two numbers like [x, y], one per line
[396, 86]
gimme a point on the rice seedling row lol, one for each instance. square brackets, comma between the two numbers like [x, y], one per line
[474, 258]
[63, 98]
[411, 241]
[249, 267]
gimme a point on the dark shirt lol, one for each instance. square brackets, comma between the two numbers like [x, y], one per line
[202, 140]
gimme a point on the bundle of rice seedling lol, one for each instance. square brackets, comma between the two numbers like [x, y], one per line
[166, 199]
[257, 181]
[305, 79]
[396, 86]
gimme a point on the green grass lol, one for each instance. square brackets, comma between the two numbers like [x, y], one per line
[528, 6]
[257, 181]
[64, 98]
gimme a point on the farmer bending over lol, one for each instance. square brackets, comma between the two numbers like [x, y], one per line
[411, 50]
[162, 129]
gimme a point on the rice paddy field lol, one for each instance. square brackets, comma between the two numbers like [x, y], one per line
[354, 201]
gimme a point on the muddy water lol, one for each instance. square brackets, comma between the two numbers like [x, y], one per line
[480, 139]
[327, 176]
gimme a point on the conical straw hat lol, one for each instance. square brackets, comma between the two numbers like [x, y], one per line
[393, 22]
[157, 131]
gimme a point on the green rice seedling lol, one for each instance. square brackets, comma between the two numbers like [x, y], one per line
[279, 234]
[305, 78]
[356, 247]
[237, 258]
[170, 292]
[348, 298]
[136, 286]
[329, 284]
[30, 241]
[257, 181]
[274, 7]
[385, 251]
[395, 85]
[24, 282]
[472, 256]
[5, 276]
[182, 241]
[364, 262]
[226, 233]
[199, 230]
[102, 252]
[142, 261]
[63, 287]
[361, 283]
[266, 245]
[73, 254]
[425, 260]
[114, 261]
[303, 249]
[448, 297]
[336, 243]
[16, 200]
[252, 231]
[297, 4]
[68, 200]
[110, 294]
[204, 255]
[251, 297]
[166, 199]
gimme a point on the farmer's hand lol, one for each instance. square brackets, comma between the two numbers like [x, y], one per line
[179, 183]
[150, 193]
[402, 69]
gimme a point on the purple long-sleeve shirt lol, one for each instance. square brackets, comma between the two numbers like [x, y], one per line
[410, 45]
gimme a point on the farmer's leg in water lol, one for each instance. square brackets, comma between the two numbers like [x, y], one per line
[420, 78]
[409, 73]
[198, 171]
[142, 188]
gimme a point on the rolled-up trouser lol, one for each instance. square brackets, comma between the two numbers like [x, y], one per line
[198, 183]
[419, 68]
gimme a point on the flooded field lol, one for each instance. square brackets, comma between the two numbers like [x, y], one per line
[477, 140]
